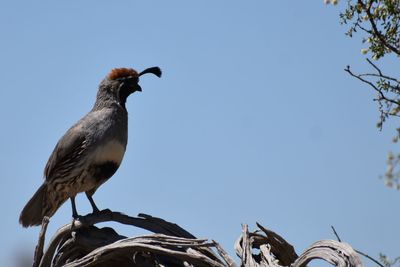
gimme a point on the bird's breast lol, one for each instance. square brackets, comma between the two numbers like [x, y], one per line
[112, 151]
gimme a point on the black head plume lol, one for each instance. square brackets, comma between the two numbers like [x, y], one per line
[153, 70]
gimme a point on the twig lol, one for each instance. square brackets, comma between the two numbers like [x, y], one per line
[380, 72]
[336, 234]
[359, 252]
[369, 257]
[375, 67]
[382, 96]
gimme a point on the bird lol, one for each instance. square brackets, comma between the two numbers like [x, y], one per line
[90, 152]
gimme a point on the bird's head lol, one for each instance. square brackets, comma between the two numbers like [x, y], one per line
[121, 82]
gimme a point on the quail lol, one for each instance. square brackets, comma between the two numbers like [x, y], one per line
[90, 152]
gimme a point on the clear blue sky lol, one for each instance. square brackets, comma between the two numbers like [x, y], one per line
[254, 119]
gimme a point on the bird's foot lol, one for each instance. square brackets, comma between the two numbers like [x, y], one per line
[84, 219]
[79, 218]
[74, 219]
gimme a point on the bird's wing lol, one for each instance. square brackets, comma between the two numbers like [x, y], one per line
[67, 153]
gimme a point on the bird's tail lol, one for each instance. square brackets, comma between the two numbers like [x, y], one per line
[43, 203]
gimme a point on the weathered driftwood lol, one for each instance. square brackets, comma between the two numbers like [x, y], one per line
[80, 243]
[275, 251]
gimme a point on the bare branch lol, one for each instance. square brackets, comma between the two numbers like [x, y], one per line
[381, 94]
[375, 67]
[380, 72]
[336, 234]
[369, 257]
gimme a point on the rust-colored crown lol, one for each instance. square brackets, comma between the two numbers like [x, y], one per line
[121, 73]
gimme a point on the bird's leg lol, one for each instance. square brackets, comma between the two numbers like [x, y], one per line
[75, 215]
[74, 212]
[95, 208]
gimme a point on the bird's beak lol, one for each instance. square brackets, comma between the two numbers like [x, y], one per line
[153, 70]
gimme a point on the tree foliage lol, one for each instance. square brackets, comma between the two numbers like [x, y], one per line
[378, 22]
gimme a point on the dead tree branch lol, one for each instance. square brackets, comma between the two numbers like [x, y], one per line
[327, 250]
[80, 243]
[39, 247]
